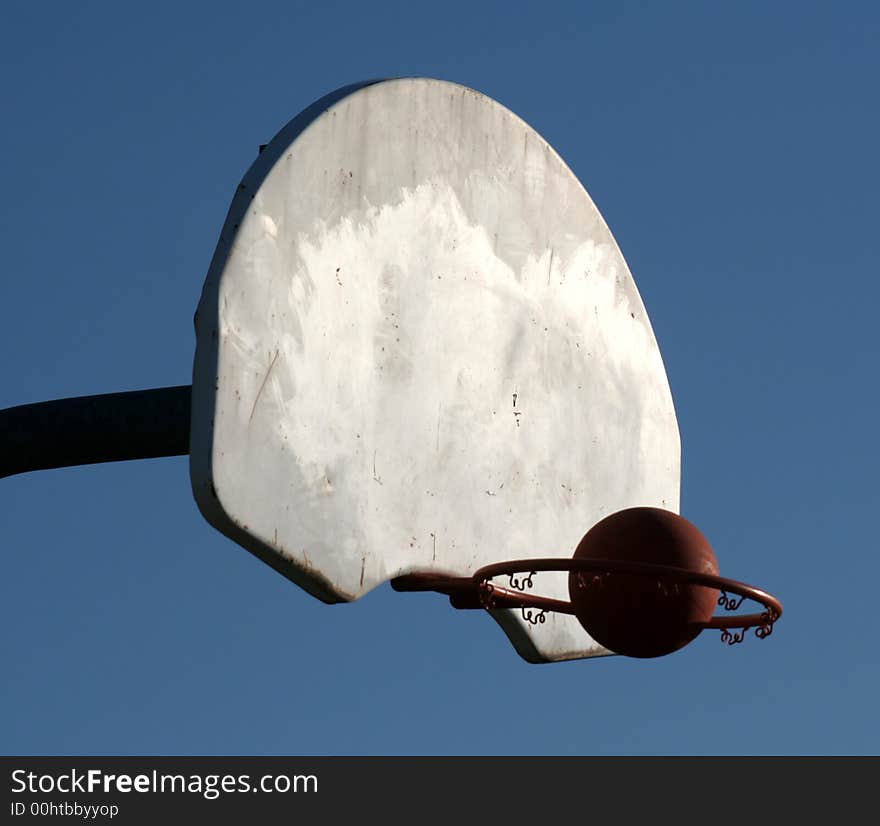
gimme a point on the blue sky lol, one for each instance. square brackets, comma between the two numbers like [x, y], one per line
[732, 148]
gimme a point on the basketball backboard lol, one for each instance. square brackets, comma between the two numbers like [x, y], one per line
[419, 349]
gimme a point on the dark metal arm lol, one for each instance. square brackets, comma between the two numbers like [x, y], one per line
[113, 427]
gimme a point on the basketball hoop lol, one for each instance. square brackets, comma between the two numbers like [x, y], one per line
[478, 591]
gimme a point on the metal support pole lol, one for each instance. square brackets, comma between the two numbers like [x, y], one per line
[114, 427]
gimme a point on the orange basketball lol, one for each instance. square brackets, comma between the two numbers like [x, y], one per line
[642, 615]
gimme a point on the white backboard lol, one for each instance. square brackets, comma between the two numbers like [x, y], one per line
[419, 348]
